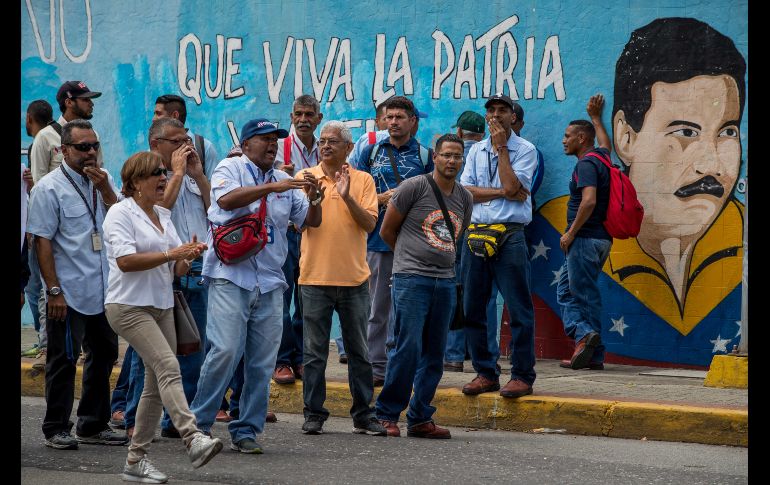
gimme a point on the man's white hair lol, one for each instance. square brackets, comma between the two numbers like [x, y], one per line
[343, 130]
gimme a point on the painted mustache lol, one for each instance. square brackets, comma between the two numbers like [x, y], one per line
[706, 185]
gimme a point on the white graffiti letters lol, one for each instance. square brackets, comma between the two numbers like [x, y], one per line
[52, 18]
[190, 85]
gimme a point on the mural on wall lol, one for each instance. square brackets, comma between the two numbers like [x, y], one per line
[677, 284]
[679, 97]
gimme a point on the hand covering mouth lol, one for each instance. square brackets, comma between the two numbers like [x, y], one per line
[707, 185]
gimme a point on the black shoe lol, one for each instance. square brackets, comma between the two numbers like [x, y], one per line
[343, 359]
[453, 366]
[62, 441]
[170, 433]
[106, 437]
[313, 425]
[372, 427]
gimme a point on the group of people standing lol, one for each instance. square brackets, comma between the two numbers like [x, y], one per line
[381, 230]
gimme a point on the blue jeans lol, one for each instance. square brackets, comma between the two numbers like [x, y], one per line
[246, 324]
[118, 402]
[189, 365]
[352, 306]
[510, 270]
[33, 292]
[578, 290]
[290, 352]
[424, 307]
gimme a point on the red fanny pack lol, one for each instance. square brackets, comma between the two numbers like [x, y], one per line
[241, 238]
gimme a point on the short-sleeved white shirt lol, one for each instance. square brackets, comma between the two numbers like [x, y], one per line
[128, 230]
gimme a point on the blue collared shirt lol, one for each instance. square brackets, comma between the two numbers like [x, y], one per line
[481, 162]
[409, 165]
[189, 213]
[264, 269]
[57, 213]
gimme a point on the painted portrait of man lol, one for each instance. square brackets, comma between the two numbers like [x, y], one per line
[672, 294]
[678, 102]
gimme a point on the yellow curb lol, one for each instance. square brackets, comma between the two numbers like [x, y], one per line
[33, 381]
[728, 371]
[592, 417]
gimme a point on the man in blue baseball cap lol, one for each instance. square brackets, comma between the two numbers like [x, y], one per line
[246, 298]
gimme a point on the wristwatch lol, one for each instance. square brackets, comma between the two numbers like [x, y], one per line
[53, 291]
[317, 200]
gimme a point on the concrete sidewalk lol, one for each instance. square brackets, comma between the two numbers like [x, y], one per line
[620, 401]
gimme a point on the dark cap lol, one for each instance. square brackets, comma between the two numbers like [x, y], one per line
[470, 121]
[420, 114]
[75, 89]
[501, 98]
[261, 126]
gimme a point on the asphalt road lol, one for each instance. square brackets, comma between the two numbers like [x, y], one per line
[340, 457]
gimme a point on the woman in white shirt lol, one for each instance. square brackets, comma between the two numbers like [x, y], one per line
[144, 253]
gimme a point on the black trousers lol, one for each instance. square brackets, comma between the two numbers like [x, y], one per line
[100, 344]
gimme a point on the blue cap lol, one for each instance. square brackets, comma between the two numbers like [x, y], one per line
[261, 126]
[420, 114]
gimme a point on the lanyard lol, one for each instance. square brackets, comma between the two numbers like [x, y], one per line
[302, 154]
[492, 171]
[80, 193]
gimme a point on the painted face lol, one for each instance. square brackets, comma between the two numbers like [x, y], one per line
[82, 108]
[77, 159]
[261, 149]
[502, 113]
[685, 160]
[333, 147]
[305, 119]
[400, 123]
[448, 159]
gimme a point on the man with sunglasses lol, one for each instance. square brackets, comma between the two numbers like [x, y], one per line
[187, 197]
[173, 106]
[67, 208]
[76, 103]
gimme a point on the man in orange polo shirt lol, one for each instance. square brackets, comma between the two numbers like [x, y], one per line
[334, 275]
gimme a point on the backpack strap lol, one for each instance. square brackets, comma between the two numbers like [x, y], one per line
[372, 137]
[426, 154]
[599, 156]
[56, 126]
[392, 160]
[373, 154]
[287, 150]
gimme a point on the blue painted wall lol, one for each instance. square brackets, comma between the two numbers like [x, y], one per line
[563, 52]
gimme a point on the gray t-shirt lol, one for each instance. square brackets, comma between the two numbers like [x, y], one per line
[423, 245]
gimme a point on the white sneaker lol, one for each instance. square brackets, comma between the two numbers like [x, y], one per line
[202, 449]
[143, 471]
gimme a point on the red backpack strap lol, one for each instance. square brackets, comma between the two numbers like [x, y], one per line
[599, 156]
[287, 150]
[372, 137]
[262, 208]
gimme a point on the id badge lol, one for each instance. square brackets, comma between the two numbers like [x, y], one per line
[96, 241]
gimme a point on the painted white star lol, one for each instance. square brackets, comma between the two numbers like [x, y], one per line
[556, 275]
[720, 344]
[618, 325]
[540, 250]
[738, 322]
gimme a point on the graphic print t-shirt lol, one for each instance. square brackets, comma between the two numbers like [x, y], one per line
[424, 245]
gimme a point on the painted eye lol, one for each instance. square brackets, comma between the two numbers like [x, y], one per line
[729, 132]
[685, 132]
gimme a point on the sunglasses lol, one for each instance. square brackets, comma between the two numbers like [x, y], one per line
[84, 147]
[159, 171]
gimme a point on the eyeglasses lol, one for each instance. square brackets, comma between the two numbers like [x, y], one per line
[159, 171]
[324, 141]
[84, 147]
[452, 156]
[186, 140]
